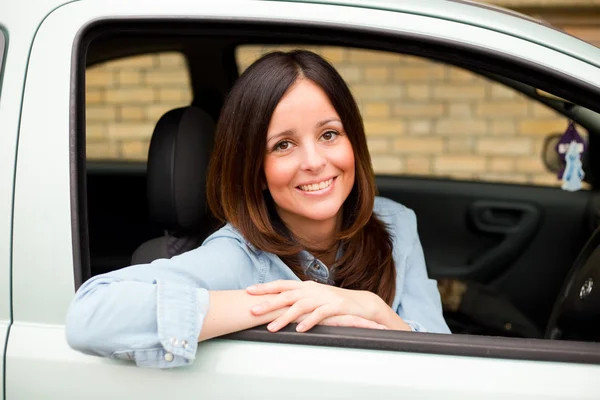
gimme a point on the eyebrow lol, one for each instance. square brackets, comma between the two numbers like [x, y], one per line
[326, 121]
[292, 132]
[280, 134]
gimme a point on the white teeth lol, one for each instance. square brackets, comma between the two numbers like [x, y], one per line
[316, 186]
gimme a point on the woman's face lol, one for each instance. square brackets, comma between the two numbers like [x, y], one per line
[309, 162]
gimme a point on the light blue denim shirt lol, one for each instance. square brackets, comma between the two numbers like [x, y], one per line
[153, 313]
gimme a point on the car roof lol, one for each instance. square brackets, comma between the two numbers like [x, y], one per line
[485, 16]
[463, 11]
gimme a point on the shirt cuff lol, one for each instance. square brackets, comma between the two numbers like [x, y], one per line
[415, 326]
[181, 310]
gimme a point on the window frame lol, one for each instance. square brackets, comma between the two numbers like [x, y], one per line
[3, 51]
[447, 51]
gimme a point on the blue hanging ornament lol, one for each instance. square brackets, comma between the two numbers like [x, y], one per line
[570, 149]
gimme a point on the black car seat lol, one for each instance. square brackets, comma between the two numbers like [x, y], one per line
[176, 183]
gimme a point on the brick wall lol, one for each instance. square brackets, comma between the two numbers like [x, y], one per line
[125, 99]
[424, 118]
[421, 118]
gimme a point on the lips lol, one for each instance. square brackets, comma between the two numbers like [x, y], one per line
[316, 186]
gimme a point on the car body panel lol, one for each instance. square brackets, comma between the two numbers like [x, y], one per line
[43, 253]
[228, 369]
[7, 165]
[19, 33]
[487, 17]
[483, 15]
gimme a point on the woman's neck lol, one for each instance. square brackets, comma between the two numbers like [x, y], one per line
[319, 235]
[316, 235]
[321, 238]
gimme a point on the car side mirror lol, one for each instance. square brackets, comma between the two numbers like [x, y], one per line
[550, 157]
[553, 161]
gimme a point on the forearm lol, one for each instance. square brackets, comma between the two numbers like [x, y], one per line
[229, 311]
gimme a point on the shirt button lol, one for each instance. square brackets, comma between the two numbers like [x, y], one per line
[184, 343]
[174, 341]
[169, 357]
[316, 265]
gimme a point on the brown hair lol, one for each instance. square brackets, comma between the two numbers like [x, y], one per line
[236, 174]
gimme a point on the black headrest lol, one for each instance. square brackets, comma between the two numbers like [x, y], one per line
[177, 166]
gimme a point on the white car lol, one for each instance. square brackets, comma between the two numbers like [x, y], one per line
[64, 218]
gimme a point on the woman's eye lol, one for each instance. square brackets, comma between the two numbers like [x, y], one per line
[282, 146]
[329, 135]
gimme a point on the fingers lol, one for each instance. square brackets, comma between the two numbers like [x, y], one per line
[284, 299]
[300, 318]
[331, 315]
[294, 313]
[318, 315]
[351, 321]
[348, 321]
[274, 287]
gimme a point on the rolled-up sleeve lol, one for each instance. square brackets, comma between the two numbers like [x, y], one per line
[153, 313]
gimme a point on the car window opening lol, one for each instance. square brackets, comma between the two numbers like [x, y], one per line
[150, 229]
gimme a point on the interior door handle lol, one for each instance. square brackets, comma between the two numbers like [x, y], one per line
[515, 222]
[503, 218]
[500, 218]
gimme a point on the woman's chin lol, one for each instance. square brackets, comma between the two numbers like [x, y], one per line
[323, 214]
[316, 211]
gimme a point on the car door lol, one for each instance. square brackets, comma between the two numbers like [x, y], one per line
[518, 241]
[49, 251]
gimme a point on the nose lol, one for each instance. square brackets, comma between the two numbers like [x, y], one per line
[313, 160]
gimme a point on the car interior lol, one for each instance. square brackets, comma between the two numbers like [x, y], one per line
[526, 257]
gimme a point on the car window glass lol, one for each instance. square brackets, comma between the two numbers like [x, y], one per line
[126, 97]
[428, 119]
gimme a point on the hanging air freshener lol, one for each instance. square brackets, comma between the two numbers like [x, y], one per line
[571, 148]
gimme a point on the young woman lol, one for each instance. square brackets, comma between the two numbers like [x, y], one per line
[305, 239]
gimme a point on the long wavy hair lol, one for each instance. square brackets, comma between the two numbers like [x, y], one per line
[236, 176]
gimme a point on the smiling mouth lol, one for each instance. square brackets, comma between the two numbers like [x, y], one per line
[316, 186]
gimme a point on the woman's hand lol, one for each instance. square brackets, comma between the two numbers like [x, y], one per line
[323, 304]
[347, 321]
